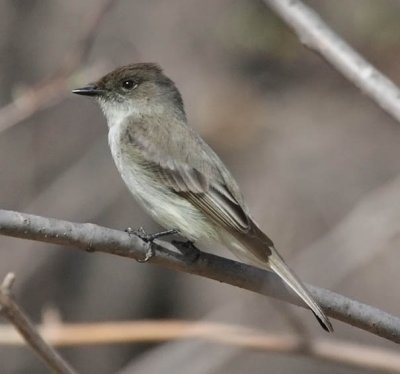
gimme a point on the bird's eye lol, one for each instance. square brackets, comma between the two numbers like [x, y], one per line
[129, 84]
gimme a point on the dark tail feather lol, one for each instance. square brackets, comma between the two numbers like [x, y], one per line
[265, 253]
[277, 264]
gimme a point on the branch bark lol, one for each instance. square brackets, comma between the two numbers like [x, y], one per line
[94, 238]
[314, 33]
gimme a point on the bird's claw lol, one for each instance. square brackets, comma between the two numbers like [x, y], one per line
[149, 238]
[149, 254]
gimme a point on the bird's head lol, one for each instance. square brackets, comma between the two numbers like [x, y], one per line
[137, 89]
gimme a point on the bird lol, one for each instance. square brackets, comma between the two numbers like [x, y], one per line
[176, 176]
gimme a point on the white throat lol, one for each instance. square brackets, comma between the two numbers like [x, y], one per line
[116, 113]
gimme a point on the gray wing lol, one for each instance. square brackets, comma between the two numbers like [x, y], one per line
[191, 169]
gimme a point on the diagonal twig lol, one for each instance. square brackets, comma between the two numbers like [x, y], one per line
[314, 33]
[14, 314]
[79, 55]
[53, 90]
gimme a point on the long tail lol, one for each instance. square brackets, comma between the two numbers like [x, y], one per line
[277, 264]
[261, 251]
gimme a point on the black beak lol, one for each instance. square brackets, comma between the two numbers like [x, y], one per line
[89, 90]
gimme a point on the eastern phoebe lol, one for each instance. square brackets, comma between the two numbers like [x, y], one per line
[175, 175]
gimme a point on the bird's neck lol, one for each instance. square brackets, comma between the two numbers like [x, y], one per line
[117, 113]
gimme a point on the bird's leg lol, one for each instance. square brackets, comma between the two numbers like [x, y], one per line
[149, 238]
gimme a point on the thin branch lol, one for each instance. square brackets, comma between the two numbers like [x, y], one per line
[90, 237]
[14, 314]
[332, 350]
[314, 33]
[43, 96]
[79, 55]
[53, 90]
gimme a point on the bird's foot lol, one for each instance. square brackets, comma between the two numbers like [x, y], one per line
[149, 238]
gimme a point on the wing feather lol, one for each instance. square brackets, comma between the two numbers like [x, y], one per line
[194, 171]
[212, 198]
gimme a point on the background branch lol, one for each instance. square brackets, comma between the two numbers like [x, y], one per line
[314, 33]
[332, 350]
[51, 91]
[14, 314]
[80, 54]
[91, 238]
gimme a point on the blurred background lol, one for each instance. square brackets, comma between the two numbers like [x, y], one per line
[317, 161]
